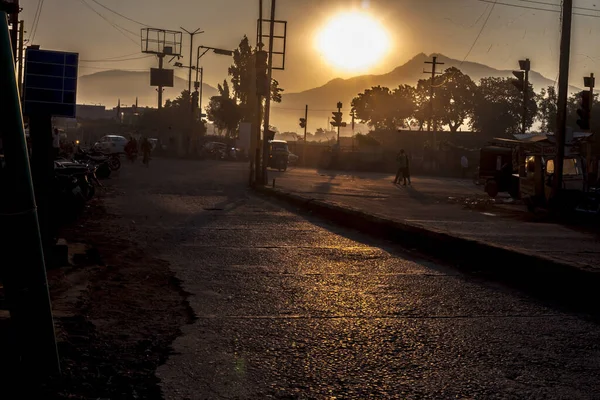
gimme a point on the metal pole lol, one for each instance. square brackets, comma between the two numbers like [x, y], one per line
[268, 97]
[563, 91]
[305, 129]
[160, 88]
[525, 96]
[200, 96]
[14, 20]
[338, 131]
[23, 272]
[259, 45]
[20, 63]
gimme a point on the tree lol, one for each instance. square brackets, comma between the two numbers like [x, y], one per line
[547, 109]
[224, 111]
[404, 104]
[380, 108]
[499, 106]
[243, 80]
[455, 98]
[173, 119]
[422, 112]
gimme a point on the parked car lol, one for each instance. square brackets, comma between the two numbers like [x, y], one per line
[111, 144]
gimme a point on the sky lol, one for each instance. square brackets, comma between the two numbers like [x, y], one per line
[473, 30]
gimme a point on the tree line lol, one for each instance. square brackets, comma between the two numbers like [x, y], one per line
[493, 105]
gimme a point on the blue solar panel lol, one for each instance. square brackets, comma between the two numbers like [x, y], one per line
[50, 84]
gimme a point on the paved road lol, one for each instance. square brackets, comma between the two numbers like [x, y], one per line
[290, 307]
[452, 206]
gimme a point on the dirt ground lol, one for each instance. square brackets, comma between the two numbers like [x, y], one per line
[111, 283]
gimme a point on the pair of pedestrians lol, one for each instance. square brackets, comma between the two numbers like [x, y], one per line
[403, 168]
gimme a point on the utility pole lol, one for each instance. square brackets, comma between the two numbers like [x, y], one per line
[433, 73]
[339, 125]
[259, 46]
[304, 124]
[353, 115]
[192, 98]
[161, 58]
[14, 33]
[20, 64]
[268, 95]
[23, 272]
[526, 66]
[430, 122]
[563, 89]
[200, 88]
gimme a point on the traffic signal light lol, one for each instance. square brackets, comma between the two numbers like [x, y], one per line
[337, 119]
[520, 81]
[584, 111]
[195, 100]
[302, 122]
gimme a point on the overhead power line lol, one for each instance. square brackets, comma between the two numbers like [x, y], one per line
[119, 14]
[36, 21]
[123, 56]
[558, 5]
[471, 48]
[112, 69]
[542, 9]
[108, 60]
[119, 28]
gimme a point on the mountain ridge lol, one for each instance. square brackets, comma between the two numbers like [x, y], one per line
[107, 87]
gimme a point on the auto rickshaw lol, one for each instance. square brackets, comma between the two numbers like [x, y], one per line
[497, 172]
[534, 158]
[536, 184]
[278, 154]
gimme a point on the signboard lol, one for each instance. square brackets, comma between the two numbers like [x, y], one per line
[161, 77]
[50, 83]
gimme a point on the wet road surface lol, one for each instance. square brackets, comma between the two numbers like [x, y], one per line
[289, 307]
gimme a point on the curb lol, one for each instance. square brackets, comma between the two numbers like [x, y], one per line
[546, 277]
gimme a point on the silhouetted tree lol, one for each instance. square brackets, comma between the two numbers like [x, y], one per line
[454, 98]
[224, 111]
[380, 108]
[243, 80]
[173, 119]
[547, 108]
[499, 106]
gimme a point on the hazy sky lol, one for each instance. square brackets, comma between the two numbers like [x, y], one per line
[445, 26]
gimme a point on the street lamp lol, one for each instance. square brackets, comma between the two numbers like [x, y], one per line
[200, 70]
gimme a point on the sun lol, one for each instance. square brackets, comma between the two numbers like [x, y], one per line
[353, 41]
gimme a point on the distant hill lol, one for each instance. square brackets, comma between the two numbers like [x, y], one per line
[107, 87]
[325, 97]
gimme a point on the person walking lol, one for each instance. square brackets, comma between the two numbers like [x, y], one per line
[464, 163]
[408, 163]
[146, 150]
[56, 143]
[402, 160]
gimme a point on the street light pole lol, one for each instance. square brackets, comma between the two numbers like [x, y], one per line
[563, 92]
[268, 96]
[192, 34]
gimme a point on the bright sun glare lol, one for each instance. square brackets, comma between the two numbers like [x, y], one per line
[353, 41]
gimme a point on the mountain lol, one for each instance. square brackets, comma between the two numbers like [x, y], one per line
[107, 87]
[326, 97]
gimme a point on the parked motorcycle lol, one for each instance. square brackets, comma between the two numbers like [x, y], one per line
[84, 173]
[112, 160]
